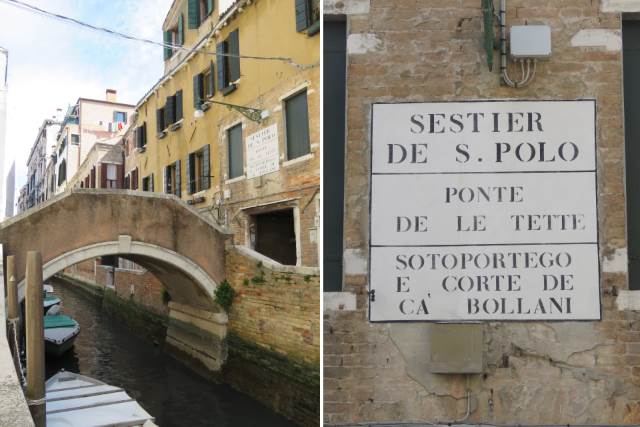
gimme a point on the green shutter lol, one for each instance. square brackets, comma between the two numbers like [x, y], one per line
[144, 133]
[181, 30]
[166, 183]
[221, 49]
[190, 170]
[234, 61]
[167, 50]
[159, 120]
[178, 182]
[236, 161]
[210, 6]
[212, 80]
[197, 99]
[194, 14]
[302, 14]
[169, 111]
[297, 122]
[178, 100]
[206, 168]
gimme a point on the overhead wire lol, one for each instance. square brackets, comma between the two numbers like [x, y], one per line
[34, 9]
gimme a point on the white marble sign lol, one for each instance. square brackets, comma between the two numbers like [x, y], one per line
[483, 211]
[263, 153]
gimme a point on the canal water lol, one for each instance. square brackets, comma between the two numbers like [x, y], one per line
[175, 396]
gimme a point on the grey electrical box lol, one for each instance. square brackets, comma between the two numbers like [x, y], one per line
[530, 41]
[456, 348]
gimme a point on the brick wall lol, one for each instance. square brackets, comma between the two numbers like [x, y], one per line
[148, 291]
[547, 373]
[275, 309]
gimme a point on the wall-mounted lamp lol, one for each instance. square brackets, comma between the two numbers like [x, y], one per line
[253, 114]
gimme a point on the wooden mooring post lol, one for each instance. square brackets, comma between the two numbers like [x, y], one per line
[34, 313]
[13, 309]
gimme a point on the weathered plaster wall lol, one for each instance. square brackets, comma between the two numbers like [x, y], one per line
[548, 373]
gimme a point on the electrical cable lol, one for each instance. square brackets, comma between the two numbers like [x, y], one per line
[34, 9]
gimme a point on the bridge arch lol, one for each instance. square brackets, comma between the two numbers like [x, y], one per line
[187, 282]
[172, 240]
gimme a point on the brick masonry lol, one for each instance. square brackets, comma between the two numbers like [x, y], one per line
[546, 373]
[274, 336]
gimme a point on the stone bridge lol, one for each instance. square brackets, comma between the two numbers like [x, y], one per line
[183, 249]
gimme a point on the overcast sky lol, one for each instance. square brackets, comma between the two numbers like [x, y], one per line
[52, 64]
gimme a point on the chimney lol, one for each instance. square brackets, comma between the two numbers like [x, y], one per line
[111, 95]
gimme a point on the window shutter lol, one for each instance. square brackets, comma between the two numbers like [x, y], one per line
[93, 177]
[206, 168]
[169, 111]
[210, 6]
[194, 14]
[119, 177]
[177, 185]
[221, 60]
[197, 99]
[212, 80]
[302, 15]
[152, 183]
[159, 120]
[297, 122]
[236, 162]
[103, 175]
[181, 30]
[234, 61]
[178, 99]
[165, 180]
[189, 171]
[144, 134]
[167, 50]
[134, 178]
[127, 182]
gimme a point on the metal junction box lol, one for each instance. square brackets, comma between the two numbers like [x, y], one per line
[456, 348]
[530, 41]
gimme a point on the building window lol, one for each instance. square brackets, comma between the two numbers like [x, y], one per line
[297, 126]
[62, 172]
[273, 234]
[174, 37]
[119, 117]
[172, 109]
[228, 66]
[147, 183]
[133, 182]
[308, 16]
[172, 181]
[141, 135]
[75, 139]
[160, 117]
[112, 176]
[199, 10]
[204, 86]
[198, 170]
[236, 161]
[63, 145]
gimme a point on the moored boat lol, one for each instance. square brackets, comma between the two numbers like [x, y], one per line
[74, 400]
[51, 302]
[59, 333]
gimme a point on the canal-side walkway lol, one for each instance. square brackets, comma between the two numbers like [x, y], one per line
[14, 411]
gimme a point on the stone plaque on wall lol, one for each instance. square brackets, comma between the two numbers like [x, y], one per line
[263, 155]
[484, 210]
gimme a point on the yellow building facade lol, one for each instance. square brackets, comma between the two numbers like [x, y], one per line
[255, 170]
